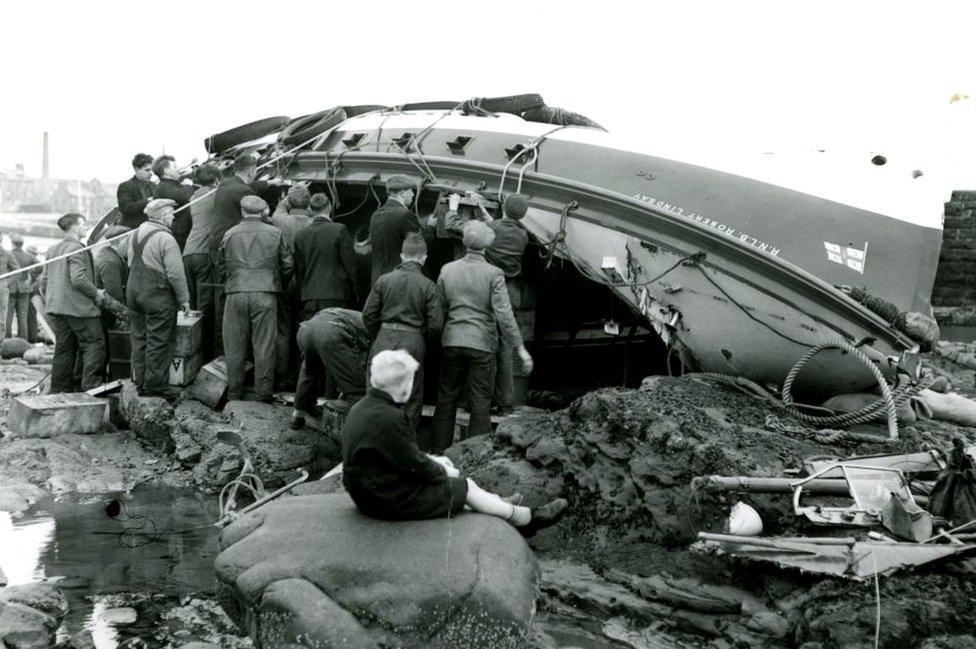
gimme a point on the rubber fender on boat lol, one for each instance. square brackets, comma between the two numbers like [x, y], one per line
[558, 116]
[304, 128]
[431, 105]
[513, 104]
[353, 111]
[103, 224]
[220, 142]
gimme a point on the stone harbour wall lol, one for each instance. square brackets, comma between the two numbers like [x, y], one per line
[955, 282]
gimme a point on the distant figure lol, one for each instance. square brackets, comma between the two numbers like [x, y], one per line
[155, 290]
[256, 261]
[476, 311]
[200, 277]
[35, 289]
[389, 478]
[325, 263]
[134, 194]
[391, 223]
[403, 311]
[71, 294]
[169, 186]
[7, 264]
[19, 287]
[506, 252]
[334, 341]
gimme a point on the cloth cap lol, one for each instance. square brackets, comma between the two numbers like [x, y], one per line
[114, 231]
[477, 235]
[158, 206]
[16, 239]
[253, 205]
[400, 182]
[516, 206]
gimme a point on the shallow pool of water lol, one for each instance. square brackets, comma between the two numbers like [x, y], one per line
[161, 541]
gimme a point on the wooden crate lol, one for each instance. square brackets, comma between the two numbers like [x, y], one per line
[189, 334]
[119, 346]
[183, 370]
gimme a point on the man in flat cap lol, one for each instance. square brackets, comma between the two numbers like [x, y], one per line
[20, 292]
[391, 223]
[506, 252]
[256, 260]
[70, 294]
[155, 290]
[476, 311]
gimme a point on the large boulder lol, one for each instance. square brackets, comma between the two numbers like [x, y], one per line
[13, 347]
[30, 615]
[311, 571]
[150, 418]
[278, 452]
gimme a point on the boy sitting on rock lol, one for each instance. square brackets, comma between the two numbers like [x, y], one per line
[390, 478]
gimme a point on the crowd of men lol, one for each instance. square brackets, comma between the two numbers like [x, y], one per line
[282, 290]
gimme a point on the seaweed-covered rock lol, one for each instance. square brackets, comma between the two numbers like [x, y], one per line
[13, 347]
[30, 614]
[312, 571]
[150, 418]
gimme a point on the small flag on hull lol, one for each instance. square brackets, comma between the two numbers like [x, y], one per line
[853, 258]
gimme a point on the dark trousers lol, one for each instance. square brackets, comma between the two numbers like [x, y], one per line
[462, 367]
[346, 367]
[286, 347]
[504, 392]
[152, 336]
[78, 339]
[19, 307]
[413, 343]
[250, 324]
[32, 325]
[202, 285]
[311, 307]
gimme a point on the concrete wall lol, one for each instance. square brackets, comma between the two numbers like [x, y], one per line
[955, 283]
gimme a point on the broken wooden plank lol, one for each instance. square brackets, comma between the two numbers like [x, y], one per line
[105, 388]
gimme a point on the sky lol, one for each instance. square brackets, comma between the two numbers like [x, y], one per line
[108, 79]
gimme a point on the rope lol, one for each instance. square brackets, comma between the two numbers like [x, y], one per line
[532, 146]
[889, 402]
[103, 242]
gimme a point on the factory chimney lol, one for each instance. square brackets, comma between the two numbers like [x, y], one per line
[45, 164]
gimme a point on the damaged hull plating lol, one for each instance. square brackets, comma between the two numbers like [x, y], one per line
[745, 290]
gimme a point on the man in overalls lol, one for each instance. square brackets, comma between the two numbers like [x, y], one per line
[156, 289]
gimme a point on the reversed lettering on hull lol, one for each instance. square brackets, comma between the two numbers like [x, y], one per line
[724, 228]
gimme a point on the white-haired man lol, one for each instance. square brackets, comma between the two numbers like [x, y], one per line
[390, 478]
[476, 310]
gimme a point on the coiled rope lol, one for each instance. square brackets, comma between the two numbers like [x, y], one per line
[888, 404]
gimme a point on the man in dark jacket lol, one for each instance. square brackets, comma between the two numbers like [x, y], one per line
[20, 290]
[70, 292]
[256, 261]
[334, 341]
[325, 264]
[225, 214]
[476, 310]
[169, 186]
[391, 223]
[506, 252]
[134, 194]
[403, 311]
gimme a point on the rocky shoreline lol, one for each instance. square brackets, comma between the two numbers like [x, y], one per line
[621, 570]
